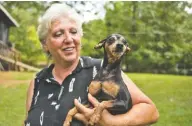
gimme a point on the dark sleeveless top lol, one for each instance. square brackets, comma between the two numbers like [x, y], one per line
[52, 101]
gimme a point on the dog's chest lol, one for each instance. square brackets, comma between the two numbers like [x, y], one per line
[104, 90]
[106, 84]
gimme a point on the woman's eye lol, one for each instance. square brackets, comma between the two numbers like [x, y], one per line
[58, 34]
[74, 31]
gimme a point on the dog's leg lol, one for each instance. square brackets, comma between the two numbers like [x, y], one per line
[69, 116]
[98, 110]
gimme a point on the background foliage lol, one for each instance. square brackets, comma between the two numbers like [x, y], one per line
[159, 33]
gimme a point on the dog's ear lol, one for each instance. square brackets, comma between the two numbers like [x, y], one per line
[100, 44]
[127, 49]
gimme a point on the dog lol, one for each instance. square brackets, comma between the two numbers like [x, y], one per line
[108, 86]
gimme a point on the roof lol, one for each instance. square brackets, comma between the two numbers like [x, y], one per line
[11, 20]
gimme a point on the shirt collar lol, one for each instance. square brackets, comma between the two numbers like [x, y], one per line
[84, 62]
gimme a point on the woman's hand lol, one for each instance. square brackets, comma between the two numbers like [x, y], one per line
[85, 113]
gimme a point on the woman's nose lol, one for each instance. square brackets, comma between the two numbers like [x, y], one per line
[68, 37]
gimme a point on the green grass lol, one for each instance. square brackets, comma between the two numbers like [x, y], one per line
[171, 94]
[12, 105]
[12, 98]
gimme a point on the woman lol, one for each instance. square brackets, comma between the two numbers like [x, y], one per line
[52, 92]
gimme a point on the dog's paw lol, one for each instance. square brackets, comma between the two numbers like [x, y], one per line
[94, 119]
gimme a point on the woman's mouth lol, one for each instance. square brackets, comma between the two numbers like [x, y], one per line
[68, 49]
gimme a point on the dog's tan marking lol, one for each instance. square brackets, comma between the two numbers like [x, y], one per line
[110, 88]
[111, 54]
[94, 87]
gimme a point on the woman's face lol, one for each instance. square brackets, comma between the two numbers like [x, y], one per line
[64, 41]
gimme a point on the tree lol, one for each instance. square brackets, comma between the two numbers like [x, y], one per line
[24, 37]
[156, 32]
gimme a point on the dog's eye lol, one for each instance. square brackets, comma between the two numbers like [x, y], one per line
[111, 39]
[125, 42]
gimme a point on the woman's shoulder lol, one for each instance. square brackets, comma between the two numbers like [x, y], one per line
[91, 62]
[44, 72]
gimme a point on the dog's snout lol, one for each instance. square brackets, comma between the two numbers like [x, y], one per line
[120, 46]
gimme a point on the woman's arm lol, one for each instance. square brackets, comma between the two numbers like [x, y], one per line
[29, 96]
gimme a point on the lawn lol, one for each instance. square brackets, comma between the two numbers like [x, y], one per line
[171, 94]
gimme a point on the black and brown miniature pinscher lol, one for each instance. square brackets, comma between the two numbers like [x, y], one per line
[108, 86]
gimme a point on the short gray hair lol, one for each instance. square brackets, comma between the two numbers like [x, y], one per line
[55, 12]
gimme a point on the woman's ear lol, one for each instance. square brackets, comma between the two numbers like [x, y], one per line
[44, 45]
[100, 44]
[45, 48]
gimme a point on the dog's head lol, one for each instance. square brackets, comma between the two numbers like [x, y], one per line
[115, 45]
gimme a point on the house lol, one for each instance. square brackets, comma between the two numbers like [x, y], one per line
[9, 56]
[6, 48]
[6, 21]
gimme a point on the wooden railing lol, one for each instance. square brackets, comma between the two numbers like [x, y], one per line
[19, 64]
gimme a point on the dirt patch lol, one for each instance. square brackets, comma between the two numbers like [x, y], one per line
[14, 78]
[5, 75]
[8, 83]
